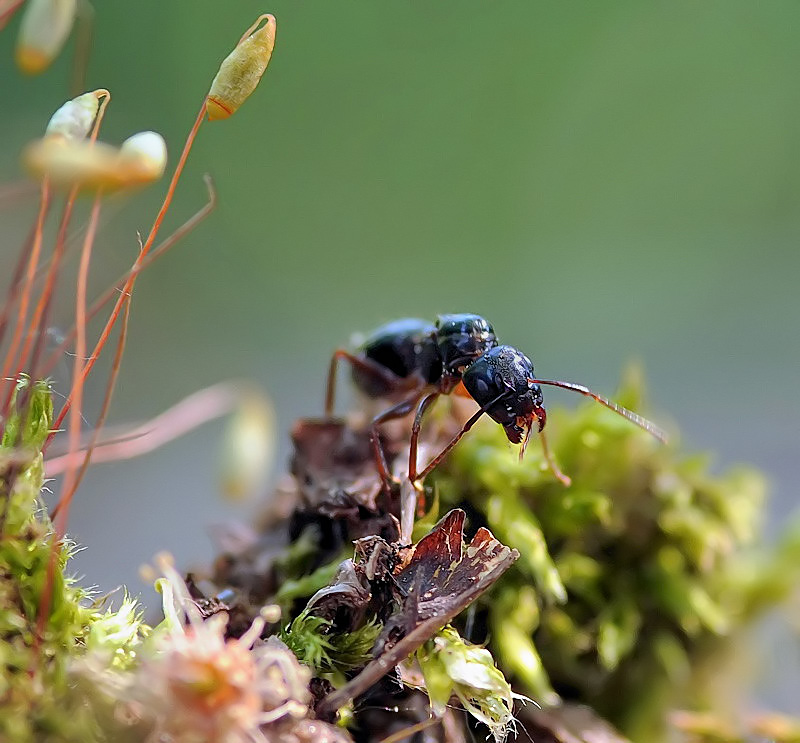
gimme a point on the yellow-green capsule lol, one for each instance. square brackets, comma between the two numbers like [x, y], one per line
[66, 163]
[93, 166]
[142, 158]
[75, 118]
[249, 447]
[43, 30]
[241, 70]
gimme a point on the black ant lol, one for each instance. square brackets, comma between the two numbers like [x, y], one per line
[459, 353]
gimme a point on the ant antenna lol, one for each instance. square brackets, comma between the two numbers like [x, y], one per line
[639, 420]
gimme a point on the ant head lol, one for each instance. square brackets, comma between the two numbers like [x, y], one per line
[462, 339]
[502, 380]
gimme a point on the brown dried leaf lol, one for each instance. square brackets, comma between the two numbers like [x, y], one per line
[334, 467]
[439, 578]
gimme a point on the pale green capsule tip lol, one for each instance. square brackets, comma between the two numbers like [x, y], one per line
[75, 118]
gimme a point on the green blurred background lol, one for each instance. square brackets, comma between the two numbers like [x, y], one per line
[604, 181]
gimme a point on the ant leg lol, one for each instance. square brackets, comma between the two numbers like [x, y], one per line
[412, 454]
[469, 424]
[565, 480]
[424, 404]
[396, 411]
[330, 390]
[444, 452]
[358, 362]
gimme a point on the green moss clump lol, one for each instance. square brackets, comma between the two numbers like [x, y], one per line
[453, 667]
[34, 673]
[626, 576]
[38, 700]
[328, 653]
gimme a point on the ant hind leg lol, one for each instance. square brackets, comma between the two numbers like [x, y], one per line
[396, 411]
[364, 365]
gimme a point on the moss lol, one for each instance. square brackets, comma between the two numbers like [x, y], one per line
[453, 667]
[36, 689]
[315, 643]
[626, 576]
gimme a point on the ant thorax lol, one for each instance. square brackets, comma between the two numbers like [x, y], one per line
[462, 339]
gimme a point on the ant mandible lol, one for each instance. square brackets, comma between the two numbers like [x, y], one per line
[461, 354]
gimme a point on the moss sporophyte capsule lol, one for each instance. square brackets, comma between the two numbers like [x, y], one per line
[241, 71]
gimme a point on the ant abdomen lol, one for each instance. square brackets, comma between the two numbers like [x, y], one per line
[405, 348]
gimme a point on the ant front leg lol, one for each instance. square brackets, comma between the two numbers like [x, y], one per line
[365, 365]
[552, 465]
[424, 404]
[396, 411]
[469, 424]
